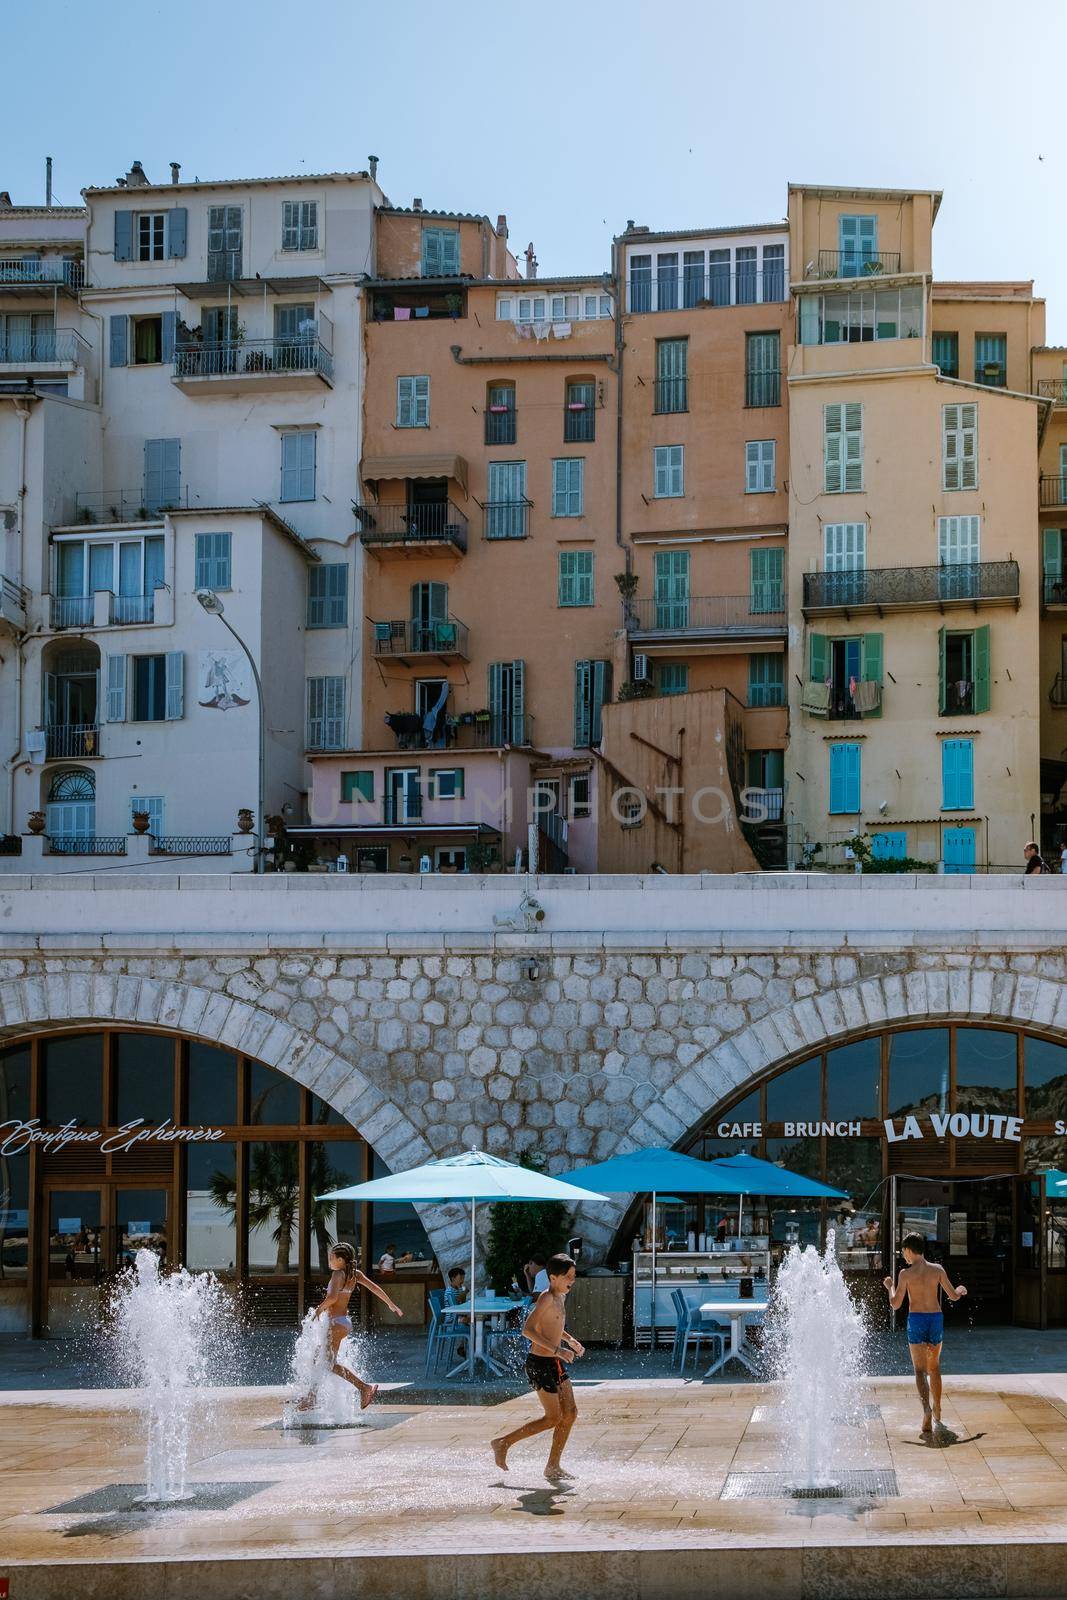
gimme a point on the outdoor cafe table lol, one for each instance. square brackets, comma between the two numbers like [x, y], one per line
[737, 1311]
[482, 1309]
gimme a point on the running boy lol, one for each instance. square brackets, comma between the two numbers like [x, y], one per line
[551, 1350]
[922, 1282]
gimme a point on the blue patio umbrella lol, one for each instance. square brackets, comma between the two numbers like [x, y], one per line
[1055, 1184]
[745, 1174]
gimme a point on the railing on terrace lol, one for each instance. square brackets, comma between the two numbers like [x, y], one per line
[1053, 389]
[1057, 695]
[1053, 490]
[400, 808]
[554, 828]
[46, 270]
[52, 345]
[97, 506]
[400, 638]
[192, 845]
[767, 801]
[129, 608]
[702, 286]
[72, 611]
[507, 519]
[65, 844]
[72, 741]
[500, 424]
[252, 356]
[468, 731]
[440, 522]
[720, 613]
[912, 586]
[855, 264]
[13, 594]
[1054, 590]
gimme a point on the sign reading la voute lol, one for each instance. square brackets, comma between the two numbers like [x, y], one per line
[958, 1124]
[17, 1136]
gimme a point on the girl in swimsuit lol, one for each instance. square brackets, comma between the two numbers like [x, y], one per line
[345, 1276]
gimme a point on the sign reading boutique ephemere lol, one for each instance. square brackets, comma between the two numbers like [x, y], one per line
[17, 1136]
[941, 1125]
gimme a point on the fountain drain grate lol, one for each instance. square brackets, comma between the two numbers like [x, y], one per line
[880, 1483]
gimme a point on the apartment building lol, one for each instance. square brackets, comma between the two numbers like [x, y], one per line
[487, 520]
[913, 587]
[214, 446]
[1049, 380]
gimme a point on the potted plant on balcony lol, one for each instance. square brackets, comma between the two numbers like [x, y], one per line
[140, 821]
[454, 302]
[244, 820]
[36, 822]
[626, 583]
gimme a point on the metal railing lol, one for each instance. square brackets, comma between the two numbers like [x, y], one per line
[47, 270]
[468, 731]
[71, 844]
[959, 697]
[500, 424]
[507, 519]
[54, 344]
[1054, 590]
[554, 828]
[912, 586]
[71, 611]
[769, 801]
[855, 263]
[1053, 389]
[720, 613]
[13, 594]
[1057, 695]
[1053, 491]
[252, 357]
[192, 845]
[436, 522]
[129, 608]
[72, 741]
[400, 808]
[672, 394]
[763, 389]
[400, 638]
[703, 286]
[579, 422]
[97, 506]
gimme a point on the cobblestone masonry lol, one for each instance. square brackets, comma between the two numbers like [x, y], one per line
[600, 1053]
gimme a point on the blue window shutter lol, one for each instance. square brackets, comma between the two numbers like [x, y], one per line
[175, 685]
[582, 707]
[116, 688]
[172, 455]
[123, 235]
[844, 778]
[177, 228]
[153, 473]
[117, 340]
[957, 774]
[307, 465]
[170, 320]
[888, 846]
[966, 771]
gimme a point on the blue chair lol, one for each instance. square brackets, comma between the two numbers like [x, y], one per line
[681, 1317]
[699, 1330]
[445, 1331]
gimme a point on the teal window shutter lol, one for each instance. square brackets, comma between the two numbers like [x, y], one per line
[170, 320]
[818, 658]
[357, 787]
[177, 229]
[567, 487]
[592, 690]
[175, 685]
[674, 677]
[116, 688]
[118, 340]
[213, 561]
[123, 235]
[766, 569]
[872, 667]
[844, 779]
[575, 577]
[162, 473]
[298, 465]
[981, 669]
[889, 846]
[957, 774]
[328, 595]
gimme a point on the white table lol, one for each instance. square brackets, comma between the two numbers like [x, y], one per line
[738, 1312]
[481, 1310]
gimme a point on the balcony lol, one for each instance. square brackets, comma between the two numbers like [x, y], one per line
[127, 609]
[1052, 491]
[970, 583]
[763, 389]
[1053, 389]
[702, 617]
[469, 730]
[855, 264]
[437, 527]
[41, 275]
[507, 519]
[500, 425]
[699, 287]
[1057, 695]
[400, 808]
[58, 350]
[13, 602]
[73, 741]
[1054, 592]
[401, 641]
[72, 611]
[770, 802]
[98, 507]
[192, 845]
[77, 844]
[259, 364]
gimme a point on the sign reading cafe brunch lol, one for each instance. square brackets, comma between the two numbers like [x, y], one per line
[18, 1136]
[960, 1124]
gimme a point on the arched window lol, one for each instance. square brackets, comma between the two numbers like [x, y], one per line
[75, 785]
[71, 812]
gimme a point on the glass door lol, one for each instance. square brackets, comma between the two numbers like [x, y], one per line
[141, 1218]
[75, 1258]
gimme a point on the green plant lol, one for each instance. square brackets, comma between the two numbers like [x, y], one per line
[517, 1230]
[863, 850]
[642, 690]
[274, 1197]
[86, 515]
[808, 852]
[626, 583]
[480, 856]
[454, 302]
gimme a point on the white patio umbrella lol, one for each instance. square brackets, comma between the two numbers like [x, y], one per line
[471, 1177]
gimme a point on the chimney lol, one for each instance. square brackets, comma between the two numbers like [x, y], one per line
[48, 182]
[502, 226]
[629, 225]
[136, 178]
[5, 200]
[175, 172]
[372, 163]
[416, 204]
[531, 261]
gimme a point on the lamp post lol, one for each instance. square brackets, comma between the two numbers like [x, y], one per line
[213, 605]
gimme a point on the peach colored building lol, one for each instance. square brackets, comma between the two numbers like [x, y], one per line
[1050, 382]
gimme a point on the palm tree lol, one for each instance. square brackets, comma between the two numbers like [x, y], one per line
[274, 1196]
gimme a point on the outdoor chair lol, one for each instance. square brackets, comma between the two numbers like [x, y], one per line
[446, 1331]
[698, 1331]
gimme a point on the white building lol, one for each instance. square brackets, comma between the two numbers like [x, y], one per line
[208, 437]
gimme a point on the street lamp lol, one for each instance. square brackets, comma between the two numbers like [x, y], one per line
[213, 605]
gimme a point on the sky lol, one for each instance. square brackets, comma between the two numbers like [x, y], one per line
[569, 119]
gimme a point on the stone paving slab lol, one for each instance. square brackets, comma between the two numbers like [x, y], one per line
[418, 1508]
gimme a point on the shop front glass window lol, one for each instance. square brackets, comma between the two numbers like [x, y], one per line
[918, 1072]
[273, 1099]
[986, 1071]
[212, 1087]
[273, 1208]
[334, 1164]
[144, 1078]
[853, 1082]
[211, 1208]
[74, 1080]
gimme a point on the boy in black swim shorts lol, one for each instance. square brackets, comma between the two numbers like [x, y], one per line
[551, 1351]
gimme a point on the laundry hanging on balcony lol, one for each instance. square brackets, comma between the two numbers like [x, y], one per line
[815, 697]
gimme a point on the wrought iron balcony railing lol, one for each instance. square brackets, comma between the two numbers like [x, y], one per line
[97, 506]
[507, 519]
[500, 424]
[439, 522]
[1053, 490]
[71, 611]
[443, 638]
[769, 802]
[72, 741]
[401, 808]
[1054, 590]
[761, 611]
[1057, 695]
[59, 346]
[130, 608]
[46, 270]
[78, 844]
[1053, 389]
[252, 357]
[878, 588]
[468, 731]
[192, 845]
[699, 285]
[858, 263]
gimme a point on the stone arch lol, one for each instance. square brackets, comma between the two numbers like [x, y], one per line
[32, 1004]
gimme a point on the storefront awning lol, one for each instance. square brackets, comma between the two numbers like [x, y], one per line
[375, 468]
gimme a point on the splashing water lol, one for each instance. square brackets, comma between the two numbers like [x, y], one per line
[336, 1402]
[816, 1341]
[169, 1331]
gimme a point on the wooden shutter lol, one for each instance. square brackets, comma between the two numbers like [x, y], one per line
[853, 447]
[833, 430]
[957, 774]
[495, 690]
[116, 688]
[568, 574]
[334, 712]
[431, 253]
[298, 465]
[169, 321]
[518, 702]
[818, 657]
[175, 668]
[153, 473]
[765, 579]
[413, 402]
[118, 340]
[601, 686]
[942, 670]
[960, 446]
[583, 675]
[177, 229]
[315, 722]
[843, 448]
[336, 594]
[872, 656]
[844, 778]
[981, 669]
[123, 235]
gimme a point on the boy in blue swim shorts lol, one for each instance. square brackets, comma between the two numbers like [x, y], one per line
[922, 1283]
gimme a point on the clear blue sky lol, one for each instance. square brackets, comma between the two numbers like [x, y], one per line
[570, 119]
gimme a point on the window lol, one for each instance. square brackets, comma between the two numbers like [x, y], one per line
[845, 556]
[568, 487]
[766, 680]
[500, 414]
[132, 569]
[963, 672]
[213, 563]
[440, 252]
[766, 579]
[640, 283]
[592, 690]
[506, 506]
[671, 583]
[745, 275]
[157, 684]
[446, 783]
[959, 447]
[532, 308]
[763, 377]
[759, 466]
[579, 800]
[566, 307]
[507, 702]
[300, 225]
[672, 375]
[692, 277]
[843, 448]
[858, 241]
[153, 804]
[147, 341]
[413, 402]
[719, 277]
[151, 236]
[991, 359]
[328, 595]
[357, 787]
[844, 779]
[766, 770]
[575, 577]
[27, 336]
[162, 473]
[579, 415]
[298, 465]
[667, 281]
[224, 243]
[668, 462]
[957, 774]
[958, 555]
[837, 671]
[857, 316]
[773, 272]
[672, 677]
[325, 713]
[946, 354]
[1053, 564]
